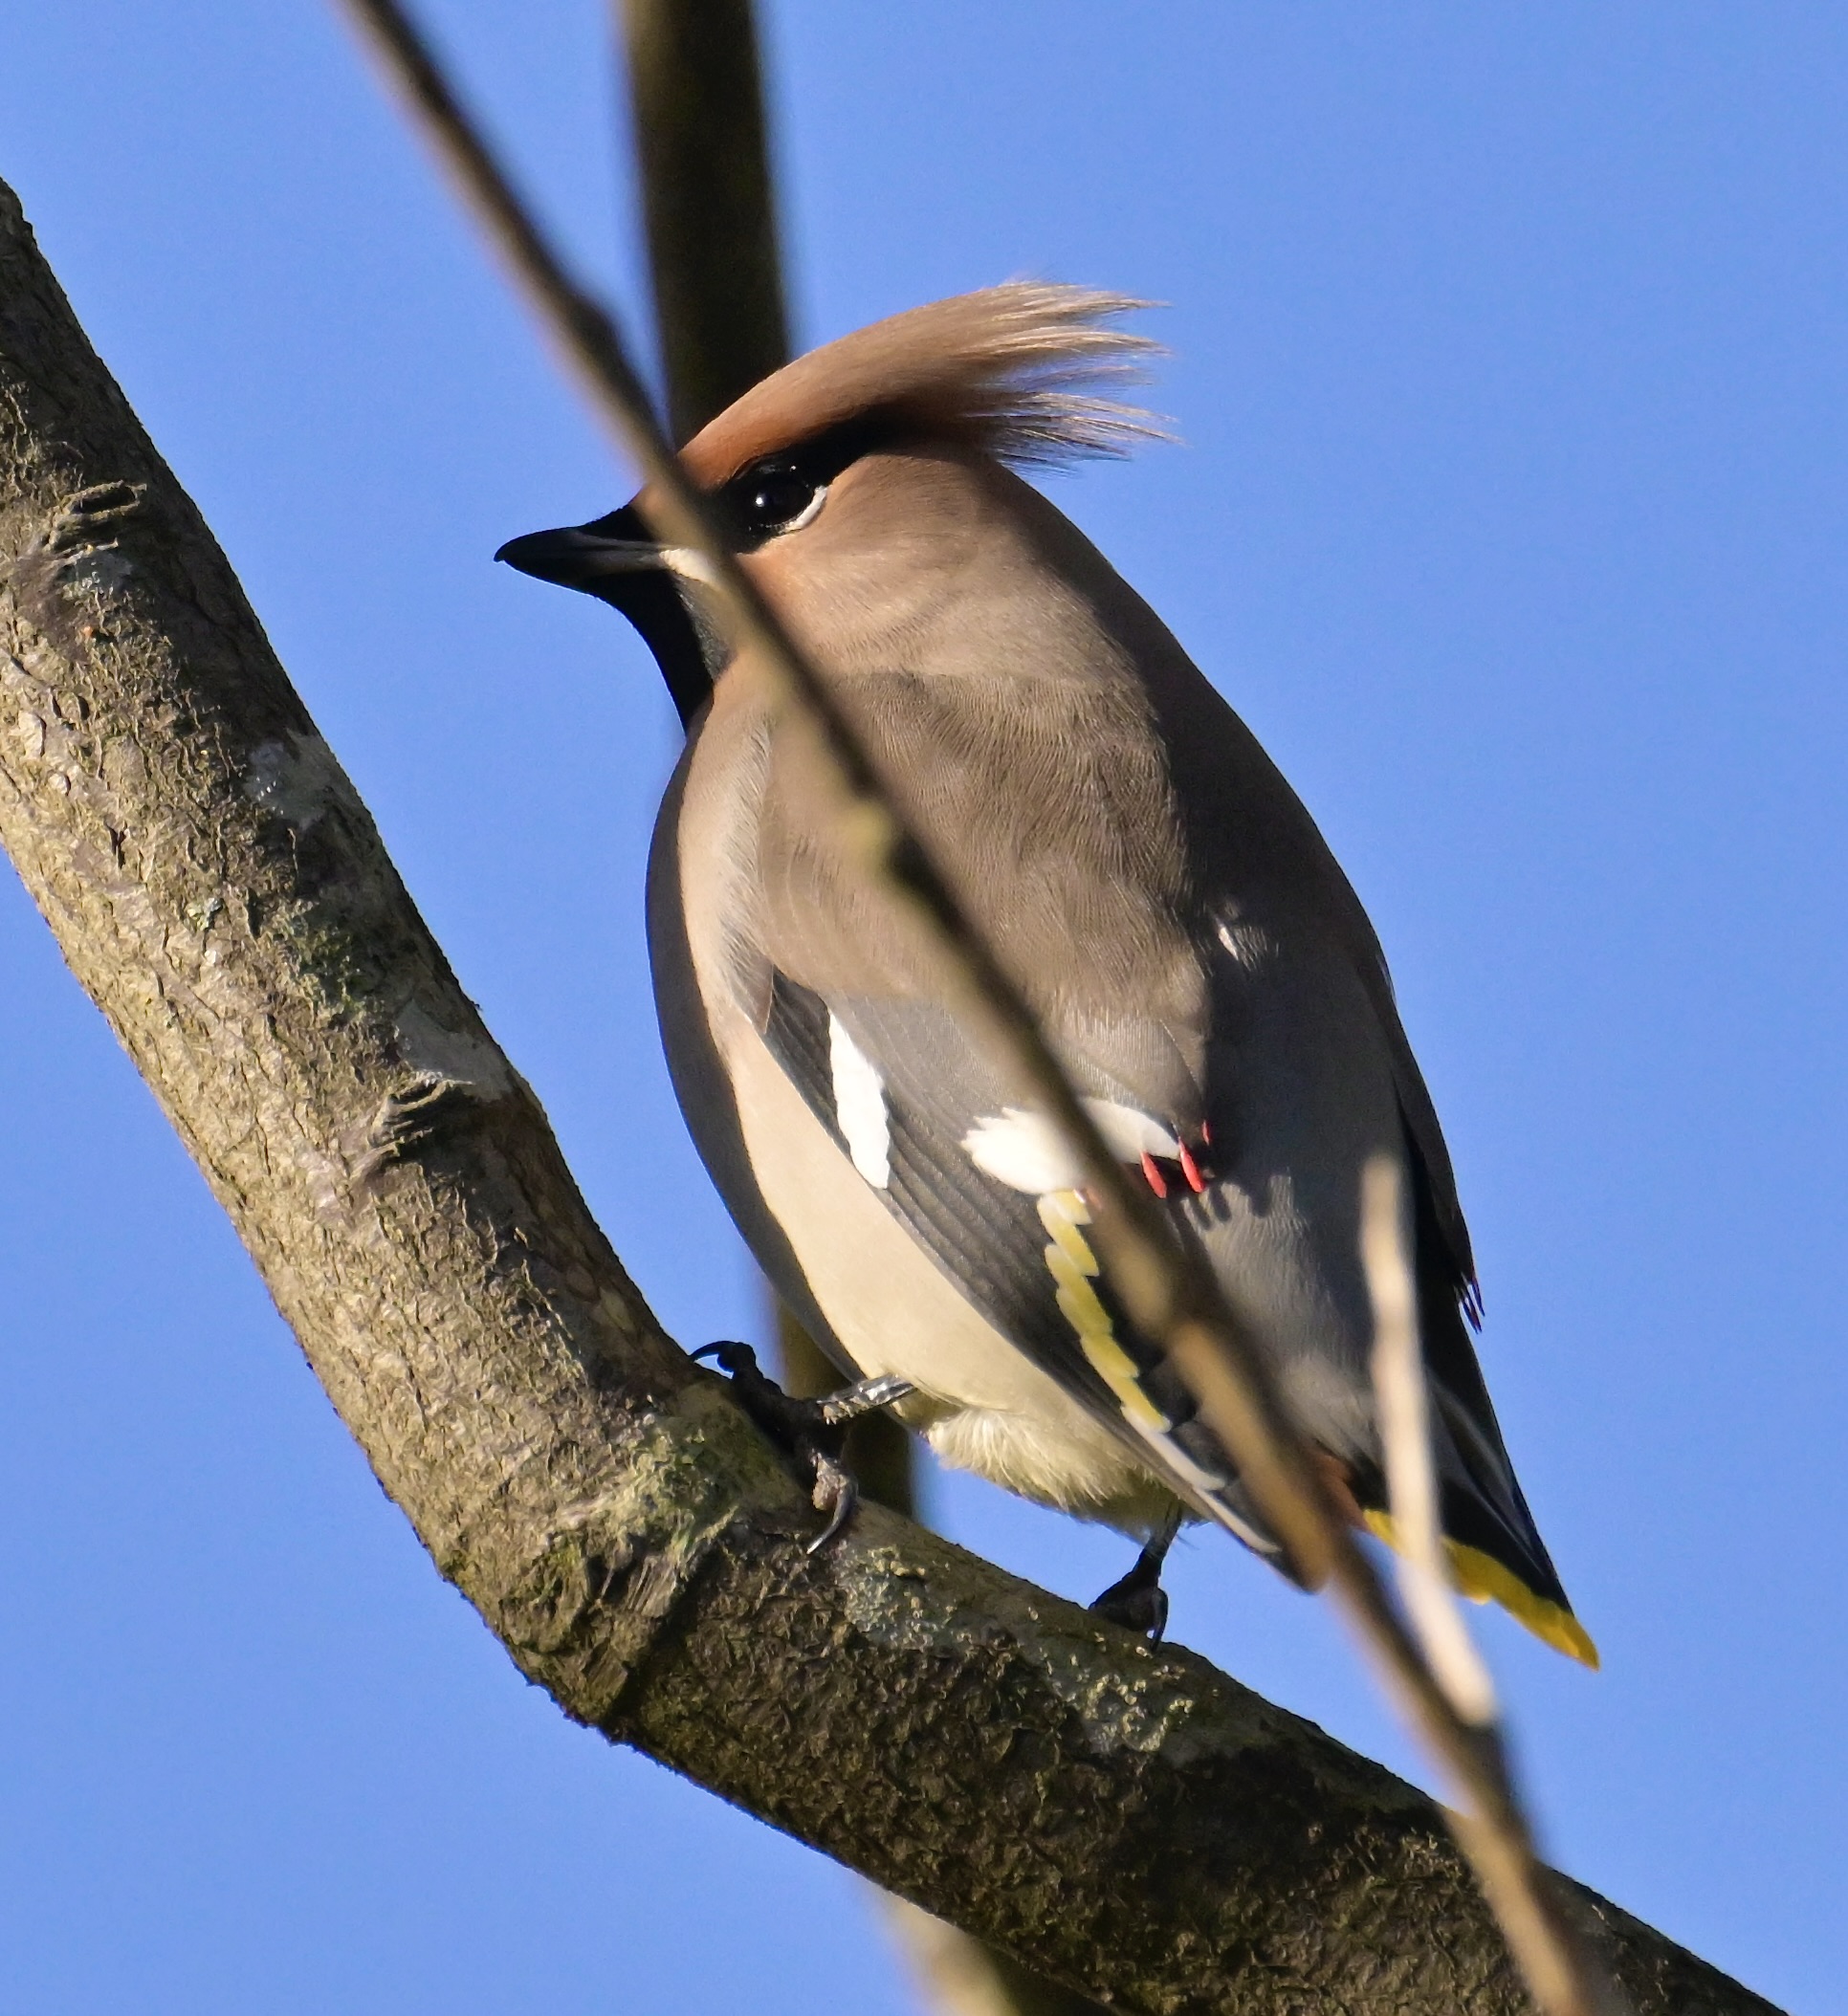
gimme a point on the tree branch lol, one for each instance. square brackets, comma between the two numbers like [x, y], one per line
[695, 97]
[1121, 1818]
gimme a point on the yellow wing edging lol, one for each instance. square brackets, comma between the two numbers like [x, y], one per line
[1073, 1267]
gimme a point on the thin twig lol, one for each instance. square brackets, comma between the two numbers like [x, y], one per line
[1402, 1405]
[1169, 1296]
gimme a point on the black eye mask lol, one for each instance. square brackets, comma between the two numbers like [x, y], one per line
[775, 495]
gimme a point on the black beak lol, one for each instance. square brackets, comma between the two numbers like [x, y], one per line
[614, 558]
[597, 558]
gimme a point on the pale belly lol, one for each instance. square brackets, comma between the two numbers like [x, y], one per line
[981, 1404]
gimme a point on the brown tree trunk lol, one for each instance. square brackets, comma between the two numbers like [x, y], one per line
[1120, 1818]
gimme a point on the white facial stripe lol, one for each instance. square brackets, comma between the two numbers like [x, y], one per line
[807, 515]
[1025, 1151]
[695, 566]
[859, 1106]
[691, 566]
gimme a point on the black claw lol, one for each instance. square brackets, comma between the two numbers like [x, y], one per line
[787, 1421]
[812, 1431]
[836, 1494]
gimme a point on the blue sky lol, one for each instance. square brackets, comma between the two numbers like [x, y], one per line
[1508, 351]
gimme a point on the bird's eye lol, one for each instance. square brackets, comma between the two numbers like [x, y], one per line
[775, 496]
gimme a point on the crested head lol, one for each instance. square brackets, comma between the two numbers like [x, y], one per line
[1022, 372]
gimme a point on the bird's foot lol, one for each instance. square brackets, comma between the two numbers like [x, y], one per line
[810, 1430]
[1138, 1602]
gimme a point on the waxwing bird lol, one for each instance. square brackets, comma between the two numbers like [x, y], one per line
[1199, 960]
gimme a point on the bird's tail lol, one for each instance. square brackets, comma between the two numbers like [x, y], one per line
[1494, 1548]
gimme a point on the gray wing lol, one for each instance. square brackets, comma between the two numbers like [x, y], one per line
[1016, 1253]
[1000, 1242]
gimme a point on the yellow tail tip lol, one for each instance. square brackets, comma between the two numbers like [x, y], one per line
[1483, 1578]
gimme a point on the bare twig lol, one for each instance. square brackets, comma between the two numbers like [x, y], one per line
[1403, 1407]
[1171, 1299]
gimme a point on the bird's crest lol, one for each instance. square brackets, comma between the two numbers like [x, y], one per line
[1021, 371]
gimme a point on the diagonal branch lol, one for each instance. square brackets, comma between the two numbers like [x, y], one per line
[1123, 1819]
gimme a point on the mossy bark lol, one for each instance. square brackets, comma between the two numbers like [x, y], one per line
[1123, 1819]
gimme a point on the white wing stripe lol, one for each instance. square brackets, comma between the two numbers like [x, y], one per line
[1025, 1151]
[859, 1107]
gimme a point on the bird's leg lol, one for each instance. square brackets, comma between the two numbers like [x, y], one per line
[811, 1431]
[1139, 1601]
